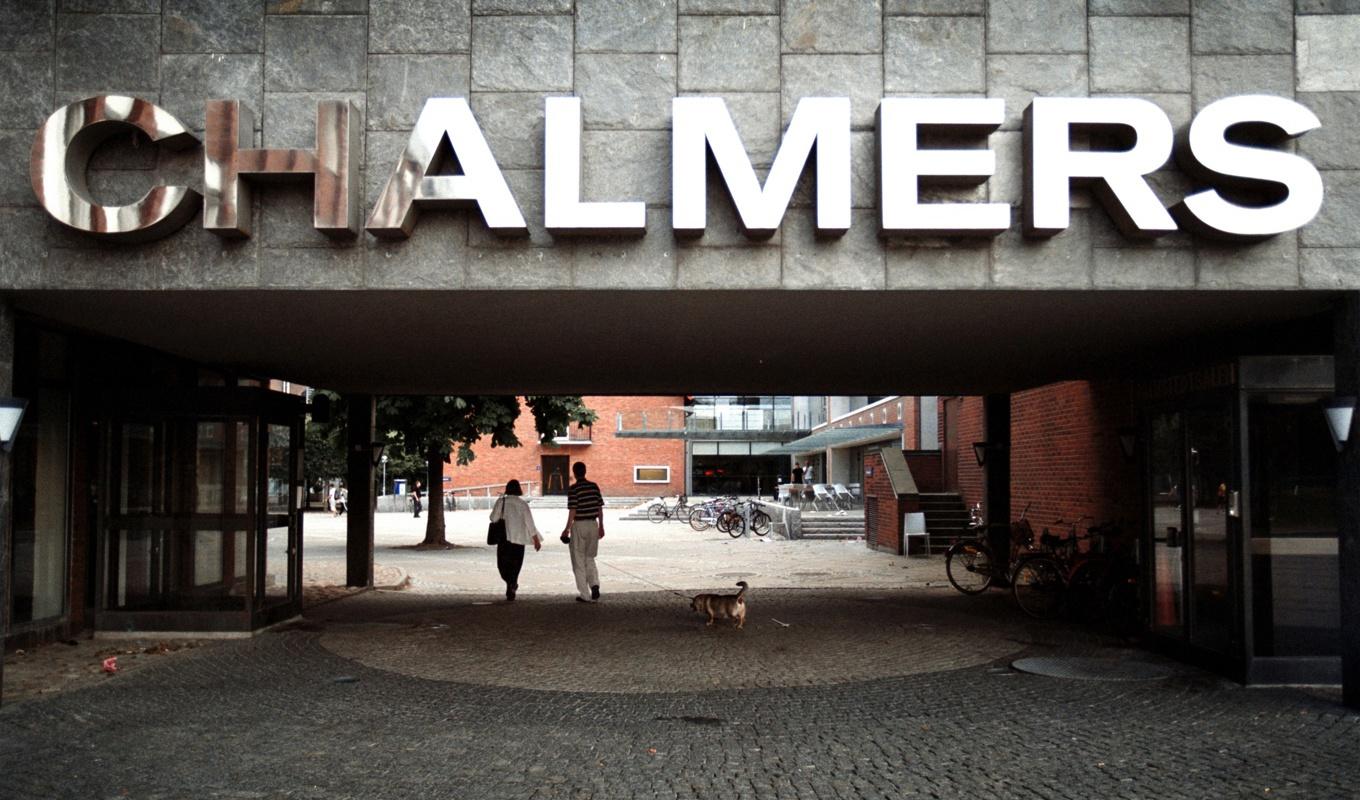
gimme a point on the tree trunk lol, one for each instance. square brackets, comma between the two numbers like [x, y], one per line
[434, 499]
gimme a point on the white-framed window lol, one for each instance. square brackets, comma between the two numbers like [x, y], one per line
[651, 474]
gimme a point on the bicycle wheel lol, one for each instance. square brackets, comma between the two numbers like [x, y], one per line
[736, 526]
[969, 567]
[698, 520]
[760, 523]
[724, 521]
[1038, 586]
[656, 513]
[680, 512]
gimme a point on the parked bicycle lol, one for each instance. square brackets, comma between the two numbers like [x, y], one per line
[660, 511]
[969, 563]
[1100, 584]
[705, 515]
[735, 520]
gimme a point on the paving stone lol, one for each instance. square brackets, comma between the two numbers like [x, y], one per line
[1062, 261]
[626, 166]
[1129, 267]
[1019, 26]
[756, 115]
[858, 77]
[433, 259]
[399, 85]
[723, 225]
[648, 262]
[213, 26]
[863, 175]
[832, 26]
[625, 26]
[626, 91]
[942, 7]
[510, 7]
[26, 26]
[26, 89]
[512, 123]
[1272, 263]
[308, 7]
[190, 80]
[1217, 77]
[15, 186]
[1327, 59]
[1139, 7]
[938, 264]
[1330, 267]
[23, 248]
[737, 54]
[751, 267]
[527, 187]
[289, 118]
[1327, 7]
[852, 261]
[286, 218]
[419, 26]
[1338, 223]
[312, 268]
[522, 54]
[520, 268]
[1243, 26]
[315, 54]
[1334, 145]
[934, 54]
[110, 6]
[1018, 79]
[107, 52]
[98, 268]
[1140, 54]
[729, 6]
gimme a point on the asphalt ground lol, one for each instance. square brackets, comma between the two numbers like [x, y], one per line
[443, 689]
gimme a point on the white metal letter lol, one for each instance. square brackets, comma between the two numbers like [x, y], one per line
[902, 165]
[563, 210]
[412, 187]
[1116, 177]
[1211, 156]
[703, 123]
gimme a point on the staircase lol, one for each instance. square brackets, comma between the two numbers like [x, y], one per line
[946, 519]
[830, 525]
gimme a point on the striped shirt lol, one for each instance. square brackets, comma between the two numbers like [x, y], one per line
[584, 498]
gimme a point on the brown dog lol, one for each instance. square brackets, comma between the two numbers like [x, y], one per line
[722, 606]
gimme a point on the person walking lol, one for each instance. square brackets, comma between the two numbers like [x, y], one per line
[333, 499]
[519, 531]
[585, 529]
[415, 499]
[797, 472]
[342, 501]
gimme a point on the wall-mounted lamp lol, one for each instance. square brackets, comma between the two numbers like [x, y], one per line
[11, 413]
[982, 449]
[1128, 442]
[1340, 412]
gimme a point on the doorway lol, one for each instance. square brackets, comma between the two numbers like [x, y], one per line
[555, 472]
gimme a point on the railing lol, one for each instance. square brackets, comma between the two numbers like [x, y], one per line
[576, 432]
[710, 418]
[470, 495]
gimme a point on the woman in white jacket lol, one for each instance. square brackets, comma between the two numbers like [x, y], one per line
[519, 531]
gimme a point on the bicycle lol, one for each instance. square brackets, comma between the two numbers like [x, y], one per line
[705, 515]
[969, 563]
[734, 520]
[660, 512]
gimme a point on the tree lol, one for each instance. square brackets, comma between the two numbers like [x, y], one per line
[444, 427]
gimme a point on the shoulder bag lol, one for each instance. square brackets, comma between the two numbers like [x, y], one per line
[495, 532]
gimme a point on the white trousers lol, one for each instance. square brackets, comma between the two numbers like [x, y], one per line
[585, 543]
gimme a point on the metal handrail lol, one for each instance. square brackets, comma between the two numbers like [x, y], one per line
[710, 418]
[487, 488]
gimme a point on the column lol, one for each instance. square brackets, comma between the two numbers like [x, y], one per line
[359, 519]
[6, 485]
[996, 474]
[1347, 353]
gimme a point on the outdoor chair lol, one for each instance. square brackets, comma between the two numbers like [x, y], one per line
[914, 524]
[782, 495]
[821, 496]
[843, 495]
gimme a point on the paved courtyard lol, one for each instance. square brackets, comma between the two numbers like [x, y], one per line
[879, 689]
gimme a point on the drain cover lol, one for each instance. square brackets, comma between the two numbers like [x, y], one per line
[1093, 669]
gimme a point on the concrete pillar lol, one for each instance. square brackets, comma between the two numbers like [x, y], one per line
[6, 483]
[359, 518]
[1347, 351]
[996, 474]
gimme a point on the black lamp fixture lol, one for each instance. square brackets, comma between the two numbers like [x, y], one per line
[1128, 442]
[980, 452]
[1340, 412]
[11, 413]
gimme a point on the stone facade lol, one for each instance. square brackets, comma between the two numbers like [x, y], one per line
[626, 60]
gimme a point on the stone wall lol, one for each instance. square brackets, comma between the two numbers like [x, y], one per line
[626, 59]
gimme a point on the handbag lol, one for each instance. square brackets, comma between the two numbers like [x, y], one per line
[495, 532]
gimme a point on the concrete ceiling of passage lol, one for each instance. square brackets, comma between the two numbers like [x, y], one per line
[671, 342]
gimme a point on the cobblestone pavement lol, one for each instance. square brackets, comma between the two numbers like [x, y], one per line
[286, 714]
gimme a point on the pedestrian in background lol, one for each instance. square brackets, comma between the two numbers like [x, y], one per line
[341, 500]
[333, 500]
[415, 499]
[585, 529]
[519, 532]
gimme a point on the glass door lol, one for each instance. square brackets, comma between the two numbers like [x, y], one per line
[279, 582]
[1214, 513]
[1166, 463]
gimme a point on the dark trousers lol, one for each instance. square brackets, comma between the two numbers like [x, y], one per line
[416, 502]
[509, 559]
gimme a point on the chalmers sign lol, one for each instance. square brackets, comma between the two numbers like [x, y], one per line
[1248, 188]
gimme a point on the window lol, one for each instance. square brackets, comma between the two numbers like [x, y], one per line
[651, 474]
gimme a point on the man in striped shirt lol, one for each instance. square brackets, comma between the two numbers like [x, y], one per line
[585, 529]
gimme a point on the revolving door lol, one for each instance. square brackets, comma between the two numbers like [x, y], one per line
[199, 511]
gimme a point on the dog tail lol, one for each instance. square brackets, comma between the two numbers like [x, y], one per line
[744, 587]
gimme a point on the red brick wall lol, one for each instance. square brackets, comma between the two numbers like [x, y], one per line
[1065, 454]
[609, 459]
[896, 409]
[885, 531]
[970, 429]
[925, 468]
